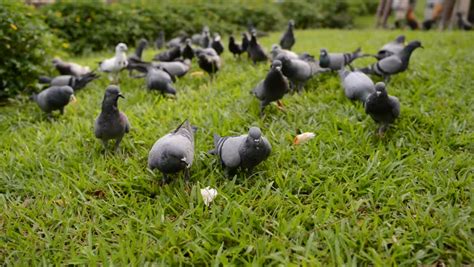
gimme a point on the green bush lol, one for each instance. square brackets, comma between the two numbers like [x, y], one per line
[97, 26]
[25, 48]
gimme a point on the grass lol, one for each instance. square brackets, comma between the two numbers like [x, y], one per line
[346, 197]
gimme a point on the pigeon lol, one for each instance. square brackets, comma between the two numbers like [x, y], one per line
[277, 50]
[288, 39]
[176, 42]
[197, 39]
[245, 42]
[160, 41]
[391, 48]
[244, 151]
[54, 98]
[169, 55]
[174, 68]
[187, 52]
[208, 60]
[117, 63]
[357, 85]
[76, 83]
[174, 152]
[393, 64]
[206, 40]
[383, 109]
[334, 61]
[235, 48]
[70, 68]
[159, 79]
[298, 71]
[137, 56]
[273, 87]
[256, 51]
[217, 44]
[111, 123]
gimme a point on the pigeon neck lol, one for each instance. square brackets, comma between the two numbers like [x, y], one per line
[140, 49]
[120, 55]
[109, 105]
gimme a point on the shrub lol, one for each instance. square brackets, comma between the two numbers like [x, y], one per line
[25, 48]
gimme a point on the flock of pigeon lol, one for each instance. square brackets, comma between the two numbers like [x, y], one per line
[289, 72]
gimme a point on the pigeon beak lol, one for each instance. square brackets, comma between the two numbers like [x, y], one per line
[72, 99]
[120, 95]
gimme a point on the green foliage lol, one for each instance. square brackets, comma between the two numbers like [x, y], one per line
[347, 197]
[26, 46]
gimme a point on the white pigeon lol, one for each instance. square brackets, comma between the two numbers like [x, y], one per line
[117, 63]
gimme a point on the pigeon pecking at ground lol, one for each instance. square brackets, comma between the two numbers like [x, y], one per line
[297, 71]
[114, 65]
[391, 48]
[54, 98]
[208, 60]
[288, 39]
[383, 109]
[158, 79]
[335, 61]
[174, 152]
[245, 151]
[70, 68]
[393, 64]
[256, 51]
[111, 123]
[273, 87]
[75, 82]
[357, 85]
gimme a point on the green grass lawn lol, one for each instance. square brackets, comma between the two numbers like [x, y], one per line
[346, 197]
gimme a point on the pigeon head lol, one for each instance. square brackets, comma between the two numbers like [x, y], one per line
[205, 29]
[56, 61]
[112, 94]
[291, 23]
[414, 45]
[121, 47]
[400, 39]
[253, 39]
[217, 37]
[255, 136]
[67, 93]
[380, 89]
[275, 47]
[231, 39]
[276, 65]
[323, 58]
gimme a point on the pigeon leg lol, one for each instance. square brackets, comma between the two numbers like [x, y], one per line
[386, 79]
[61, 111]
[300, 88]
[117, 143]
[104, 143]
[229, 172]
[381, 130]
[187, 175]
[164, 180]
[263, 104]
[280, 105]
[350, 67]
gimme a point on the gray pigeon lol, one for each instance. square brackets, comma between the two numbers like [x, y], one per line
[159, 79]
[174, 152]
[391, 48]
[357, 85]
[168, 55]
[273, 87]
[54, 98]
[111, 123]
[70, 68]
[288, 39]
[335, 61]
[256, 51]
[235, 48]
[160, 41]
[208, 60]
[298, 71]
[245, 151]
[75, 82]
[277, 50]
[174, 68]
[393, 64]
[384, 109]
